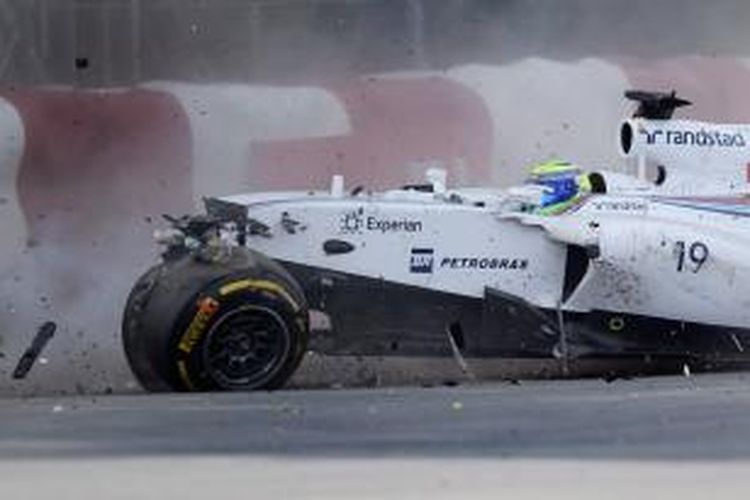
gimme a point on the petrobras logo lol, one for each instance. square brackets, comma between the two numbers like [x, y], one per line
[357, 222]
[484, 263]
[700, 138]
[422, 260]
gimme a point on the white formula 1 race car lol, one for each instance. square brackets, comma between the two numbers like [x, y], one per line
[629, 268]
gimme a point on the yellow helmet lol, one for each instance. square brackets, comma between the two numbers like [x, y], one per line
[553, 168]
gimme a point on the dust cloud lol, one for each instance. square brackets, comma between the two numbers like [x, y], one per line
[84, 180]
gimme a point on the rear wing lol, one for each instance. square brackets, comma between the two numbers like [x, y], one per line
[655, 105]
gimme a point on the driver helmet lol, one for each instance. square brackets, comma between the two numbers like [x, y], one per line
[559, 178]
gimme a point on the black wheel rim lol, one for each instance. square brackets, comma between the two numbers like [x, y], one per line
[246, 347]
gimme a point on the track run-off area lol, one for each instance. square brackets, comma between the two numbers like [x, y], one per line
[686, 435]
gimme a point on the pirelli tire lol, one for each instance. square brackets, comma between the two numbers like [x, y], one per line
[237, 324]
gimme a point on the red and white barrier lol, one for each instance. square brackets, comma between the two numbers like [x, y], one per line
[84, 175]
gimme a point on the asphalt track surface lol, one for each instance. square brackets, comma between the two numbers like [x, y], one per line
[687, 437]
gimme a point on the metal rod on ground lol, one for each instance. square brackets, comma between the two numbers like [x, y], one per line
[464, 367]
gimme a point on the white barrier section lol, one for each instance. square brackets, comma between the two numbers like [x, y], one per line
[544, 109]
[12, 219]
[226, 120]
[14, 258]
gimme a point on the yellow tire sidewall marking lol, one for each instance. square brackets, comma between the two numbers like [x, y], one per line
[185, 375]
[207, 307]
[258, 284]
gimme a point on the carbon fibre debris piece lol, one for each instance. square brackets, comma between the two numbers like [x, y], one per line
[42, 337]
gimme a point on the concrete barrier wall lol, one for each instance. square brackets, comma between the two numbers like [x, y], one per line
[85, 175]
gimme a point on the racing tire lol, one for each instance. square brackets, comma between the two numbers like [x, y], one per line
[236, 324]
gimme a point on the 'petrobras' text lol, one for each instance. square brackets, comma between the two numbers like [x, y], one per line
[483, 263]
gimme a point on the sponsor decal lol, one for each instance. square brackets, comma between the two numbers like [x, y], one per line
[207, 307]
[620, 205]
[701, 138]
[422, 260]
[352, 222]
[263, 285]
[484, 263]
[357, 222]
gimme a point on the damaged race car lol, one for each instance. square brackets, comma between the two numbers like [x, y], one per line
[571, 264]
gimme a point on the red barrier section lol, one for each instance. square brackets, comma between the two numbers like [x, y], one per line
[395, 123]
[97, 159]
[97, 168]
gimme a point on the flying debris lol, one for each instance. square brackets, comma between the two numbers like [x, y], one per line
[42, 337]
